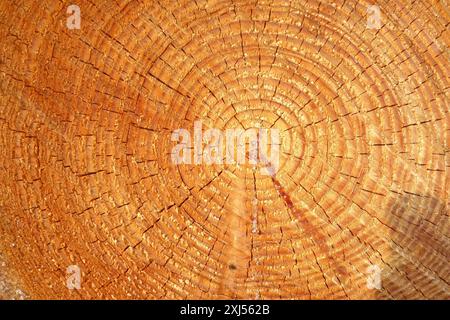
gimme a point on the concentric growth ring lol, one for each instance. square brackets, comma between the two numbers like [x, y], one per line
[356, 208]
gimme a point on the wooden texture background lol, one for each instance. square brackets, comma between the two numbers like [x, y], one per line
[86, 179]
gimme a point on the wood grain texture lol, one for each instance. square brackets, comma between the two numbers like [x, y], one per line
[86, 118]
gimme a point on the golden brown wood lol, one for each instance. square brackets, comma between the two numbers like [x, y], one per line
[86, 118]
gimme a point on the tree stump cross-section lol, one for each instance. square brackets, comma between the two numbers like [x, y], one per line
[94, 207]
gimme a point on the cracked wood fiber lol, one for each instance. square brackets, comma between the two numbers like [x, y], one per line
[86, 178]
